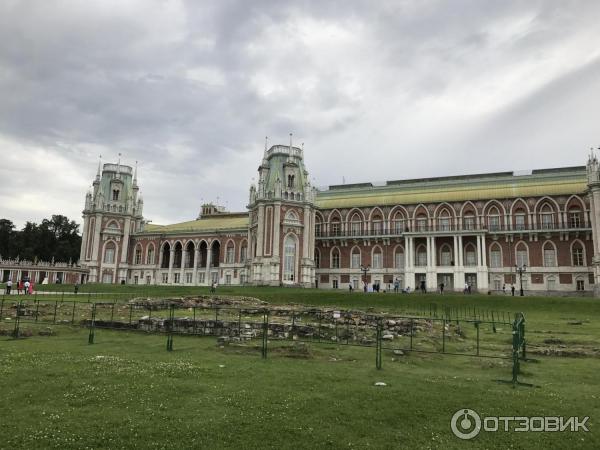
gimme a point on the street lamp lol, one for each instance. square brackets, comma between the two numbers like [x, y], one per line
[365, 269]
[520, 271]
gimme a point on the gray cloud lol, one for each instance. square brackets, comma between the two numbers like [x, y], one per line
[377, 91]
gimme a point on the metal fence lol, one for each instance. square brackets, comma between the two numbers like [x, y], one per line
[429, 328]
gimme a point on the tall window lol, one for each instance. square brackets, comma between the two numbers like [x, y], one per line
[115, 195]
[421, 254]
[445, 256]
[109, 253]
[290, 181]
[355, 259]
[494, 220]
[398, 224]
[317, 258]
[289, 264]
[377, 225]
[335, 228]
[549, 256]
[335, 259]
[377, 259]
[355, 225]
[522, 258]
[150, 255]
[547, 218]
[421, 223]
[317, 229]
[519, 221]
[138, 255]
[229, 252]
[575, 218]
[399, 258]
[469, 222]
[244, 252]
[470, 256]
[495, 257]
[577, 255]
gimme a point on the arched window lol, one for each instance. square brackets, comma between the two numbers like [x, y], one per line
[377, 258]
[335, 258]
[317, 258]
[445, 255]
[399, 223]
[335, 227]
[469, 221]
[399, 258]
[421, 222]
[137, 259]
[109, 253]
[229, 253]
[546, 217]
[166, 256]
[577, 254]
[190, 254]
[244, 252]
[115, 195]
[355, 225]
[470, 255]
[520, 219]
[549, 255]
[318, 227]
[377, 224]
[521, 255]
[355, 258]
[493, 219]
[289, 262]
[495, 256]
[421, 255]
[575, 217]
[150, 254]
[178, 255]
[444, 221]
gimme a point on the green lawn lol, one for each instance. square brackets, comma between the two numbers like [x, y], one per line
[127, 391]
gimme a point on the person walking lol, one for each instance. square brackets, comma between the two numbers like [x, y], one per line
[469, 288]
[442, 288]
[350, 287]
[27, 284]
[512, 290]
[396, 286]
[76, 288]
[8, 286]
[504, 289]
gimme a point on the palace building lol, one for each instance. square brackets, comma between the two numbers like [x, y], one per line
[475, 230]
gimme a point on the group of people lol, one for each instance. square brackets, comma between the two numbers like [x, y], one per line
[23, 286]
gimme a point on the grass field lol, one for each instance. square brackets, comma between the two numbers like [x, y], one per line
[127, 391]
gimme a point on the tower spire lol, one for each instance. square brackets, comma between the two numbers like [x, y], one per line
[135, 175]
[290, 142]
[99, 172]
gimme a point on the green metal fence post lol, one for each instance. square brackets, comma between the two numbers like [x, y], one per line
[1, 307]
[378, 346]
[411, 333]
[17, 320]
[444, 336]
[265, 333]
[170, 328]
[130, 312]
[55, 307]
[37, 308]
[73, 314]
[477, 326]
[92, 325]
[112, 312]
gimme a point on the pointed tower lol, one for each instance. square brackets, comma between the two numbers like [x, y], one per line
[112, 213]
[593, 182]
[282, 217]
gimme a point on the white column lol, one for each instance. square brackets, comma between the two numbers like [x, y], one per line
[171, 258]
[182, 270]
[460, 251]
[207, 275]
[96, 237]
[260, 231]
[406, 253]
[277, 227]
[478, 250]
[125, 245]
[84, 236]
[484, 251]
[196, 258]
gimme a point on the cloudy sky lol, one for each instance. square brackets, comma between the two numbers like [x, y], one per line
[377, 90]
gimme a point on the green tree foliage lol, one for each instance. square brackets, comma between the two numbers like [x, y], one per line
[56, 238]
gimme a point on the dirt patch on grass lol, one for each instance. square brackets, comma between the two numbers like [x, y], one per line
[565, 351]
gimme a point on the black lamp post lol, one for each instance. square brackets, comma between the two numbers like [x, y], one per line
[365, 269]
[520, 271]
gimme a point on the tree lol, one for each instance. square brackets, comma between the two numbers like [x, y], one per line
[6, 235]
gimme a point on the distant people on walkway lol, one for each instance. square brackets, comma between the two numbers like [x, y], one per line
[76, 288]
[423, 288]
[213, 287]
[27, 286]
[512, 290]
[466, 289]
[396, 286]
[406, 290]
[469, 288]
[8, 286]
[365, 287]
[504, 289]
[350, 287]
[442, 288]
